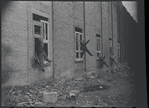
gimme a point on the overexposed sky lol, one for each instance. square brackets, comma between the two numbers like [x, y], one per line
[131, 7]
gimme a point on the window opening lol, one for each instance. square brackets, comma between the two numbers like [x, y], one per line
[41, 35]
[79, 39]
[98, 38]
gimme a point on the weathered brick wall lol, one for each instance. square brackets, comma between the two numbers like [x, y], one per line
[122, 33]
[14, 43]
[92, 27]
[118, 25]
[78, 21]
[126, 28]
[18, 40]
[105, 31]
[110, 29]
[43, 9]
[64, 56]
[115, 32]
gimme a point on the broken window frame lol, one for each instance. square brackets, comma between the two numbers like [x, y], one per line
[98, 45]
[45, 41]
[78, 44]
[42, 36]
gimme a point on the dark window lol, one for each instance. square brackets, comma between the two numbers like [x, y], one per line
[77, 55]
[78, 29]
[79, 39]
[98, 42]
[46, 48]
[38, 18]
[37, 29]
[41, 40]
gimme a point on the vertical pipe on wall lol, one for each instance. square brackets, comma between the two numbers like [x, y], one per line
[112, 28]
[101, 29]
[117, 10]
[84, 34]
[53, 40]
[28, 19]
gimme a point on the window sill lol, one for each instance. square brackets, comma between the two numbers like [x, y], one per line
[81, 61]
[43, 65]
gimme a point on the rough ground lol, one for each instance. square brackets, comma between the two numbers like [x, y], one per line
[119, 91]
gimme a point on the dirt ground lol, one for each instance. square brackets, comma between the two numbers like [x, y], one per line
[120, 93]
[117, 90]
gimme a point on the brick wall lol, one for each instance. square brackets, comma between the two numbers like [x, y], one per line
[43, 9]
[18, 40]
[14, 43]
[115, 32]
[105, 30]
[92, 27]
[64, 55]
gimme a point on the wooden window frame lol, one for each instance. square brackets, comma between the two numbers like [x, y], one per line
[46, 41]
[79, 51]
[42, 35]
[98, 46]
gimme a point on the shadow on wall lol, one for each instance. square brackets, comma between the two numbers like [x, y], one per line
[4, 4]
[6, 68]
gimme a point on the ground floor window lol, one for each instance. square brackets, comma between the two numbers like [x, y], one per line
[41, 38]
[78, 40]
[98, 43]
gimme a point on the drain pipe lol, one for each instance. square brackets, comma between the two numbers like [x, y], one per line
[53, 40]
[84, 35]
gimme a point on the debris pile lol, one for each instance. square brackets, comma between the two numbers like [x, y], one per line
[122, 69]
[24, 96]
[70, 92]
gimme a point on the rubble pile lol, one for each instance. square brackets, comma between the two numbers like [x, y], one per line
[122, 70]
[81, 91]
[24, 96]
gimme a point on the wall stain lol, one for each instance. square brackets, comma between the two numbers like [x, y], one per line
[6, 68]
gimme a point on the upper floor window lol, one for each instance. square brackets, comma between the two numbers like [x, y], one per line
[78, 40]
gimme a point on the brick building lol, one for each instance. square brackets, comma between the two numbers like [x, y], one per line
[62, 25]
